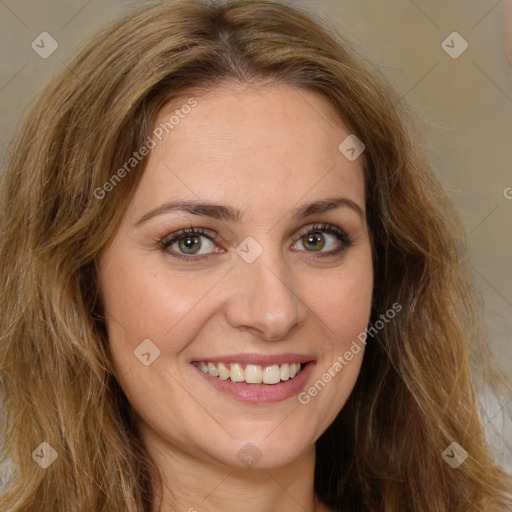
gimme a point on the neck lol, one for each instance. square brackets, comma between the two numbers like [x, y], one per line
[193, 484]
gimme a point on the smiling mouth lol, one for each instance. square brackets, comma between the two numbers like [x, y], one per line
[251, 373]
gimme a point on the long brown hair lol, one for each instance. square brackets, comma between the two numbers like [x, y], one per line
[416, 393]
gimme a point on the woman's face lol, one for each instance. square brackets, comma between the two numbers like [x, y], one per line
[277, 271]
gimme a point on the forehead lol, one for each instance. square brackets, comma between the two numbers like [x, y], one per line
[257, 143]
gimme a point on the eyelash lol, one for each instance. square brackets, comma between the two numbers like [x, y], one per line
[341, 235]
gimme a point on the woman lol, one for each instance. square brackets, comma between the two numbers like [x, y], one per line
[231, 282]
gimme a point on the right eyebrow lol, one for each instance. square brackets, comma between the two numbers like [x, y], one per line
[215, 211]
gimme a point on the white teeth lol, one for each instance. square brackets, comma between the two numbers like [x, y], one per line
[212, 370]
[271, 374]
[253, 373]
[223, 371]
[236, 373]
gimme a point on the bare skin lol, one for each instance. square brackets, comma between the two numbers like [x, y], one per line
[265, 151]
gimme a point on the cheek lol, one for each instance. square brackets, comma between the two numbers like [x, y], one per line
[147, 298]
[141, 298]
[145, 302]
[342, 300]
[343, 306]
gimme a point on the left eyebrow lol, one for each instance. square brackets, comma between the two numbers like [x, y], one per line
[229, 213]
[325, 205]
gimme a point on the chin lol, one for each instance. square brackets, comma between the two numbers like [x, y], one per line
[261, 453]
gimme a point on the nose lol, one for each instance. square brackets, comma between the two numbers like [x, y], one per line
[264, 301]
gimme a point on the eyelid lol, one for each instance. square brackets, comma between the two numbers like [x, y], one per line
[175, 235]
[322, 226]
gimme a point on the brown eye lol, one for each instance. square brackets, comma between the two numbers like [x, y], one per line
[313, 241]
[324, 239]
[189, 244]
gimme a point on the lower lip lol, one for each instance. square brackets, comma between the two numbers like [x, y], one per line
[261, 393]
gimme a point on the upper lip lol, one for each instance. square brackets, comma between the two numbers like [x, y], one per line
[257, 359]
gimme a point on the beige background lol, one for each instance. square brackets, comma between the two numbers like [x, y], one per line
[464, 103]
